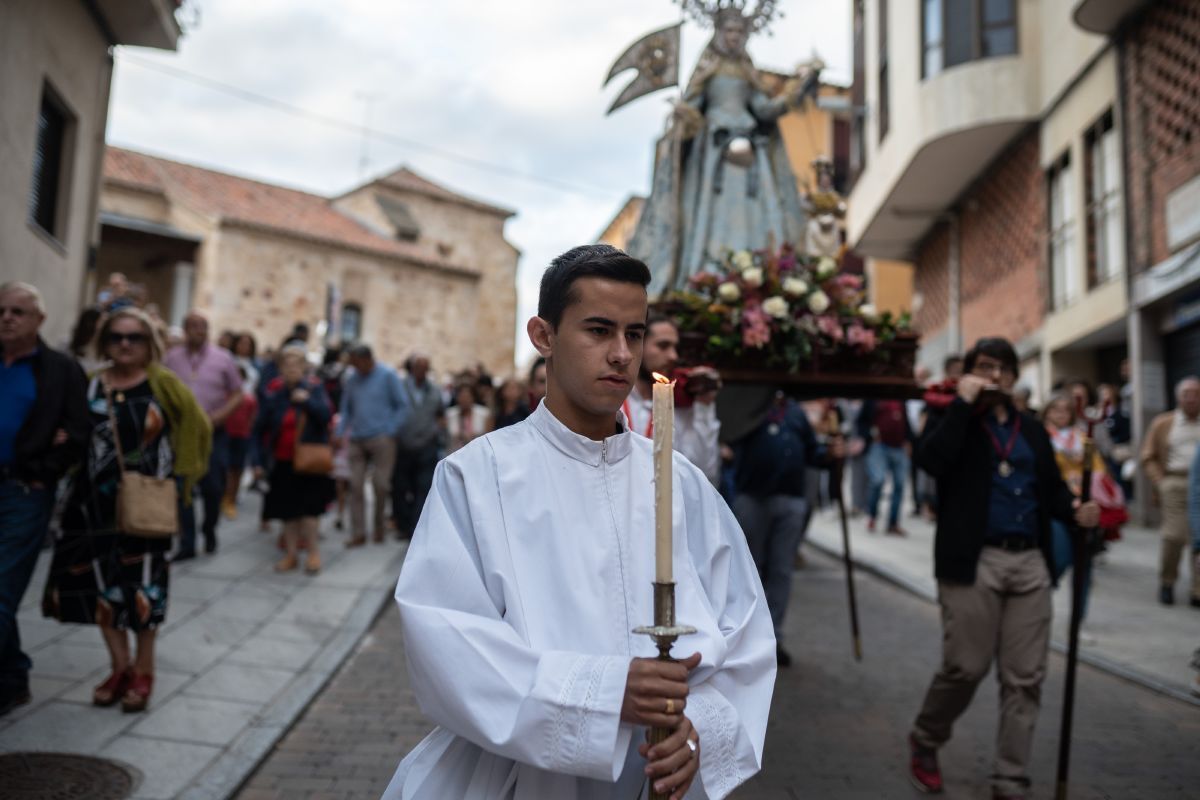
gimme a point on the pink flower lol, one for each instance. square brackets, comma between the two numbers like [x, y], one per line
[756, 327]
[831, 327]
[848, 281]
[861, 338]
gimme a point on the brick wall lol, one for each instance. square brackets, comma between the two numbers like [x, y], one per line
[1161, 75]
[932, 281]
[1001, 250]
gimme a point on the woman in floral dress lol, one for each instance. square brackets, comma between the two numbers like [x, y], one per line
[101, 575]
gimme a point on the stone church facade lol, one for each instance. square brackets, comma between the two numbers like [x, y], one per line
[400, 263]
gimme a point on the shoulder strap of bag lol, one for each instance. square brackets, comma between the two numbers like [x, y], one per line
[112, 421]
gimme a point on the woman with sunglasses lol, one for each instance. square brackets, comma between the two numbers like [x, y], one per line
[100, 574]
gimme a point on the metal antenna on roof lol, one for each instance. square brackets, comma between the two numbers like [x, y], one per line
[368, 99]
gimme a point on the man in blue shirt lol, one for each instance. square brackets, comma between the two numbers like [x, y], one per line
[373, 409]
[44, 426]
[998, 486]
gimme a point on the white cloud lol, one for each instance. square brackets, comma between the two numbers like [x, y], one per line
[515, 83]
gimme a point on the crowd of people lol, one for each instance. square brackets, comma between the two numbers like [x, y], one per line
[134, 416]
[120, 436]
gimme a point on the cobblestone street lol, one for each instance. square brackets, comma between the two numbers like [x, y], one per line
[837, 728]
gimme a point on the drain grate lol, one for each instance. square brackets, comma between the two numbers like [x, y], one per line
[62, 776]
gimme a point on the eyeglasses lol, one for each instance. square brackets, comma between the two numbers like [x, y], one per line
[112, 337]
[983, 368]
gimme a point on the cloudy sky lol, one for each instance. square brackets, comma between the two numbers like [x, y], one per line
[498, 100]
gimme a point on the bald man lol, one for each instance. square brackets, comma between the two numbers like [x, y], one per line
[1167, 454]
[44, 428]
[212, 375]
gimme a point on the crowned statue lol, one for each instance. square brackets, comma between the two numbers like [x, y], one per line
[722, 181]
[822, 233]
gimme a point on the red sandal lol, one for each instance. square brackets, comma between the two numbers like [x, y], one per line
[113, 689]
[137, 696]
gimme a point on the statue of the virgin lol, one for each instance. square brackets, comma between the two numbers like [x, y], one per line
[722, 181]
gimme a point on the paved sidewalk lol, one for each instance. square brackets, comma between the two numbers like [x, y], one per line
[243, 652]
[1126, 631]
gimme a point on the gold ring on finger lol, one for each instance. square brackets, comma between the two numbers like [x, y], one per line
[670, 706]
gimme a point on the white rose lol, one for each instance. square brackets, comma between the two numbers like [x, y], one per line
[729, 292]
[826, 268]
[753, 277]
[742, 260]
[818, 302]
[777, 307]
[794, 287]
[868, 312]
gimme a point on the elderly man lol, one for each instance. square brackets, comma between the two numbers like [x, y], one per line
[212, 375]
[416, 446]
[1167, 454]
[44, 427]
[373, 408]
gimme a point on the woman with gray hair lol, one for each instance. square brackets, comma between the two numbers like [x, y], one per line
[295, 410]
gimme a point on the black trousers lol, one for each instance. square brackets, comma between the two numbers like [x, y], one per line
[411, 478]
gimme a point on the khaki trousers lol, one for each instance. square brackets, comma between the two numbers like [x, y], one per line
[1006, 613]
[379, 454]
[1176, 537]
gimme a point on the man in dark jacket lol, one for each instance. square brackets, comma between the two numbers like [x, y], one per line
[769, 470]
[44, 428]
[998, 486]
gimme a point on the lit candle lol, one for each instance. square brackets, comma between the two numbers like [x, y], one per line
[664, 433]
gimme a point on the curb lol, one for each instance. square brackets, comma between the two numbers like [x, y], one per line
[225, 776]
[1126, 673]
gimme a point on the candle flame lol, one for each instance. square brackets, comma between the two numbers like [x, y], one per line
[660, 378]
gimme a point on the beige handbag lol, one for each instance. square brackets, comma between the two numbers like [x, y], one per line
[311, 458]
[146, 506]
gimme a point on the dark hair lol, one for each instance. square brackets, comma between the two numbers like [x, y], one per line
[995, 347]
[951, 360]
[85, 330]
[585, 261]
[362, 350]
[238, 338]
[537, 362]
[656, 318]
[1088, 393]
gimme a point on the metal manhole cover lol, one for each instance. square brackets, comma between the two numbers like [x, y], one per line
[62, 776]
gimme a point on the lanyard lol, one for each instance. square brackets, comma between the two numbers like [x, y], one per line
[649, 434]
[1006, 451]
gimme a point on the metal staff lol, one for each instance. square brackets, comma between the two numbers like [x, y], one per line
[836, 480]
[1080, 569]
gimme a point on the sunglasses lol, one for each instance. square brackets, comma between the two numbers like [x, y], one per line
[132, 338]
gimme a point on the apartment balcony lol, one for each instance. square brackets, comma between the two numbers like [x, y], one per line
[1104, 16]
[142, 23]
[945, 131]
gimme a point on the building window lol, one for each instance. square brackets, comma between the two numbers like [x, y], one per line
[957, 31]
[351, 323]
[858, 99]
[1105, 226]
[1064, 272]
[884, 104]
[47, 194]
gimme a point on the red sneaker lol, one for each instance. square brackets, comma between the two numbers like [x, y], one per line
[923, 768]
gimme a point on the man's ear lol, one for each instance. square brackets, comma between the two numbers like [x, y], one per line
[541, 335]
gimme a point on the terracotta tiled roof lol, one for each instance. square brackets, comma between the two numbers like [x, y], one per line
[405, 179]
[249, 203]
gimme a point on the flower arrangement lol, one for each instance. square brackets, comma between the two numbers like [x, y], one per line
[783, 310]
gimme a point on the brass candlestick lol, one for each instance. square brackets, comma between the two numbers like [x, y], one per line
[664, 632]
